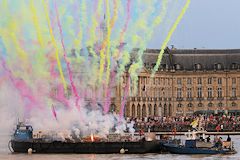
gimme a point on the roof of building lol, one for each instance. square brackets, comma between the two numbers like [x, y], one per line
[193, 59]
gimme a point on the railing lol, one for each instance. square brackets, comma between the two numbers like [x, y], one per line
[189, 98]
[179, 98]
[185, 127]
[220, 98]
[233, 98]
[139, 99]
[144, 99]
[210, 98]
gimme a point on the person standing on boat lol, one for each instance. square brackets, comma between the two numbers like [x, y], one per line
[215, 139]
[219, 142]
[208, 138]
[229, 138]
[221, 127]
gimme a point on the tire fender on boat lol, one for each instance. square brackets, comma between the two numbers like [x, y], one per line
[174, 132]
[141, 132]
[10, 146]
[122, 151]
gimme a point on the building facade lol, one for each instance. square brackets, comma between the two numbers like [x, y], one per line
[187, 82]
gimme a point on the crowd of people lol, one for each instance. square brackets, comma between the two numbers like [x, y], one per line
[209, 123]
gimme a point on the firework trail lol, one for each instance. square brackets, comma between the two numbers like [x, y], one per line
[55, 46]
[65, 59]
[54, 112]
[168, 38]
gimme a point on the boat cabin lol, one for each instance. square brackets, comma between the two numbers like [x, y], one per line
[194, 135]
[196, 139]
[23, 132]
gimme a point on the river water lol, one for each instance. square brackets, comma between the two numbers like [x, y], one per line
[5, 154]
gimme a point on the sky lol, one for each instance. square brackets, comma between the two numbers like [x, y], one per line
[207, 24]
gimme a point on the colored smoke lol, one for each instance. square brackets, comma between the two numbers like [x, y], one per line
[72, 55]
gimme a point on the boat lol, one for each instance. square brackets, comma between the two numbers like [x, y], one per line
[25, 140]
[196, 144]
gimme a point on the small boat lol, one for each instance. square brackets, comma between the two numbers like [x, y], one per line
[25, 140]
[195, 144]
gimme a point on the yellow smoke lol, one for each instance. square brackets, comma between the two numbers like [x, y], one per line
[136, 39]
[115, 13]
[168, 38]
[9, 38]
[108, 43]
[78, 41]
[95, 23]
[55, 46]
[39, 66]
[35, 20]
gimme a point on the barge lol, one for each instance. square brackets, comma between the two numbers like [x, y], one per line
[24, 141]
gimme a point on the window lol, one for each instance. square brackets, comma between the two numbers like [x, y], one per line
[189, 81]
[179, 81]
[210, 104]
[234, 92]
[138, 110]
[158, 92]
[189, 93]
[168, 81]
[199, 92]
[234, 104]
[179, 105]
[163, 90]
[219, 80]
[154, 80]
[179, 92]
[199, 80]
[200, 104]
[163, 81]
[233, 80]
[209, 80]
[209, 92]
[169, 92]
[219, 92]
[159, 81]
[149, 109]
[154, 90]
[220, 104]
[190, 105]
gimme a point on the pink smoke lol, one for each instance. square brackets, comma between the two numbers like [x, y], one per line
[125, 27]
[23, 89]
[54, 112]
[64, 56]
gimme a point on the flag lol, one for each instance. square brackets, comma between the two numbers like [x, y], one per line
[145, 90]
[163, 90]
[194, 123]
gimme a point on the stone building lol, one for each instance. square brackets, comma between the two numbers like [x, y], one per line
[187, 82]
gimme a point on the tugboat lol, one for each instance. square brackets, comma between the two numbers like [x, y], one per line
[25, 140]
[195, 144]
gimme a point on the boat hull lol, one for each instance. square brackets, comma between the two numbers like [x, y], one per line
[88, 147]
[172, 148]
